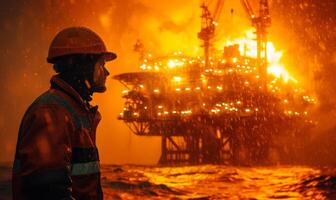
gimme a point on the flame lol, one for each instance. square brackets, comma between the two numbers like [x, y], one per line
[279, 71]
[174, 63]
[177, 78]
[248, 48]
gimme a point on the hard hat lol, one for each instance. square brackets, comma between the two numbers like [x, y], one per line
[78, 40]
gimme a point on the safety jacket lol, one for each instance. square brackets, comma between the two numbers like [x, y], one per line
[56, 154]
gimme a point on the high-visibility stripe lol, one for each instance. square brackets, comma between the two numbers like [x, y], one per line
[76, 168]
[79, 155]
[85, 168]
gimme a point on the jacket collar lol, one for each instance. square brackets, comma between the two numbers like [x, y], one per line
[65, 87]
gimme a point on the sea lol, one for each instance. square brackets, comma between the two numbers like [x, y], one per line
[204, 182]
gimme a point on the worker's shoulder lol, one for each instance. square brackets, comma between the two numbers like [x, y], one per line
[52, 97]
[53, 101]
[47, 106]
[59, 104]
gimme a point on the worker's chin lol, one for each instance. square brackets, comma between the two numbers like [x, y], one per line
[100, 89]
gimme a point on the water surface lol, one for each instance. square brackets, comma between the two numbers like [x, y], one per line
[208, 182]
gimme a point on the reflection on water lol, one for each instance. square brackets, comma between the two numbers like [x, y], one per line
[218, 182]
[209, 182]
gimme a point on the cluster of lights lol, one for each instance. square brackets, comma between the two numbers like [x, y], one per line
[185, 113]
[219, 108]
[216, 110]
[309, 99]
[274, 88]
[169, 64]
[247, 47]
[242, 65]
[295, 113]
[189, 89]
[174, 63]
[231, 70]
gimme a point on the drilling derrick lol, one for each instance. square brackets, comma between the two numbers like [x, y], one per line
[220, 113]
[261, 23]
[140, 49]
[207, 32]
[208, 27]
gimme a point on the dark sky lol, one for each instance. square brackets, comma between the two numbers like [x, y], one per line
[304, 29]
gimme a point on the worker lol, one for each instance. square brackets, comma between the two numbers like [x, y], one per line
[56, 155]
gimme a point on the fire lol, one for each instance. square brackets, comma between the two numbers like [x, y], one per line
[248, 48]
[279, 71]
[177, 78]
[174, 63]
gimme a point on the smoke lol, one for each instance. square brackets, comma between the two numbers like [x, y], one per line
[308, 30]
[303, 29]
[30, 26]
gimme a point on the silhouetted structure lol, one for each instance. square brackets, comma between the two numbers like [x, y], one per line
[223, 111]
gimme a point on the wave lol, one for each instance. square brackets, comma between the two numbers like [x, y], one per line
[140, 188]
[323, 184]
[315, 187]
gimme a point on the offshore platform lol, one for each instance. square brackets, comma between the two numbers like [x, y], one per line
[226, 110]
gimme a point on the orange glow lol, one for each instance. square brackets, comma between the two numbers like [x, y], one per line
[279, 71]
[177, 78]
[248, 48]
[174, 63]
[163, 27]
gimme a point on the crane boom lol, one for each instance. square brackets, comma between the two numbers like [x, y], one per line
[208, 27]
[218, 10]
[261, 23]
[248, 8]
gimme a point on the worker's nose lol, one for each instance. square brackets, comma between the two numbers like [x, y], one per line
[106, 72]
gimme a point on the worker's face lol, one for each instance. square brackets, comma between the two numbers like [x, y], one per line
[99, 76]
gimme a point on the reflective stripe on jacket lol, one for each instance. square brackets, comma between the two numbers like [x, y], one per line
[56, 154]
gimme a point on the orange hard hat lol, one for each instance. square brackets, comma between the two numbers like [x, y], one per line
[77, 40]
